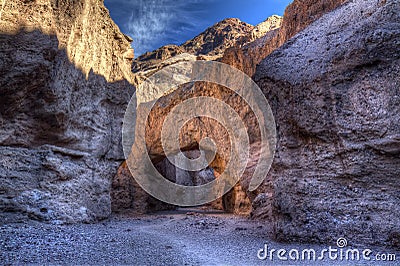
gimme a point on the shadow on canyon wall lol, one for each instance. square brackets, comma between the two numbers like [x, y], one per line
[61, 132]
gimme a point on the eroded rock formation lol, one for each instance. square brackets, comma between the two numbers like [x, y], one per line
[298, 15]
[63, 83]
[245, 48]
[334, 90]
[209, 45]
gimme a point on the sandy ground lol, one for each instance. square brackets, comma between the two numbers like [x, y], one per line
[182, 237]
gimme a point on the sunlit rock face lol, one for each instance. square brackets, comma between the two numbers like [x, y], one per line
[216, 39]
[209, 45]
[191, 134]
[83, 29]
[334, 91]
[63, 85]
[298, 15]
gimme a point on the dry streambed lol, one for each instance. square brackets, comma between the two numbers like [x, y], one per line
[183, 237]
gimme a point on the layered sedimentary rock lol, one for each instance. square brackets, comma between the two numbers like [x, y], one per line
[334, 90]
[63, 83]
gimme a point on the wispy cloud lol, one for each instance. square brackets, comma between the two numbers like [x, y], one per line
[153, 23]
[148, 22]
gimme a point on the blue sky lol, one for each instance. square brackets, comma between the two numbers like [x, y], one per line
[154, 23]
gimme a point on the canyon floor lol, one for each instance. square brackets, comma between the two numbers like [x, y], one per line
[183, 237]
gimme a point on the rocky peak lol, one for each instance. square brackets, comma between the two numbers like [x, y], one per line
[208, 45]
[272, 23]
[216, 39]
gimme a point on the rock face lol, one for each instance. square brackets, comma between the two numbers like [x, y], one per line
[128, 196]
[216, 39]
[63, 83]
[209, 45]
[298, 15]
[272, 23]
[334, 90]
[190, 136]
[83, 28]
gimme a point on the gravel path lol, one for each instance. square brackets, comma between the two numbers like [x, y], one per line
[185, 237]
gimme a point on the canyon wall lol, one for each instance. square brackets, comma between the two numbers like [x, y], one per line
[64, 73]
[298, 15]
[83, 29]
[334, 91]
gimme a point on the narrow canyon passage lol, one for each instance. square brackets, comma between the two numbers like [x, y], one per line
[319, 172]
[127, 196]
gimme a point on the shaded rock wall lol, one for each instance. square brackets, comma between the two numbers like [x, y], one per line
[63, 72]
[334, 91]
[128, 197]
